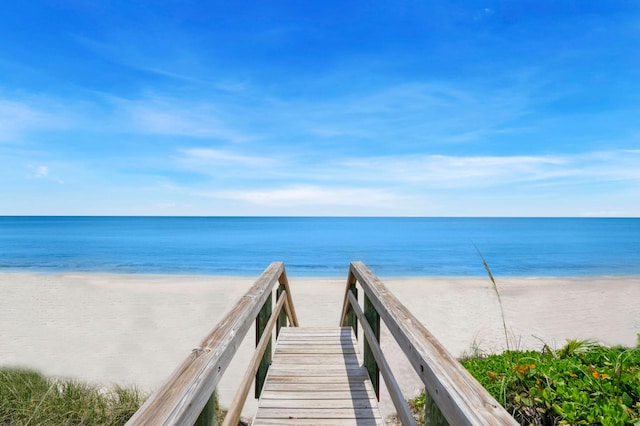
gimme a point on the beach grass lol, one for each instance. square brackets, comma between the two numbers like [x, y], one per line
[497, 292]
[29, 398]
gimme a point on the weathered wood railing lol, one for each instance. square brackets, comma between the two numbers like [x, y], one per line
[188, 396]
[453, 395]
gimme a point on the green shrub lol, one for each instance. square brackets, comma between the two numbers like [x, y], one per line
[583, 383]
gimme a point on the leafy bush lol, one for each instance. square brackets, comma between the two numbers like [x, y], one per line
[582, 384]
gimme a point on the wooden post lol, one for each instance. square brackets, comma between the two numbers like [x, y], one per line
[208, 415]
[373, 318]
[432, 414]
[261, 323]
[282, 317]
[293, 317]
[351, 318]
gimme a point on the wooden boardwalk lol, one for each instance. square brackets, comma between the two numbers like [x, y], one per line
[316, 379]
[316, 376]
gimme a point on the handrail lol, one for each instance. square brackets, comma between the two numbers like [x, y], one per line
[235, 409]
[459, 397]
[452, 393]
[184, 395]
[402, 409]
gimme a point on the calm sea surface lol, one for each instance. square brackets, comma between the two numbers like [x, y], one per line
[321, 246]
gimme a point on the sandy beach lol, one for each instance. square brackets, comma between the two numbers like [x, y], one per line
[135, 329]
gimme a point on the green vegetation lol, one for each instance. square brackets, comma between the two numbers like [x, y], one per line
[581, 384]
[29, 398]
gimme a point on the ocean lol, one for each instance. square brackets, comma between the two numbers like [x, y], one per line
[321, 246]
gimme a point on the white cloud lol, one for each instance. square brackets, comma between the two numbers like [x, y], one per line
[171, 117]
[309, 195]
[209, 156]
[455, 171]
[165, 205]
[429, 114]
[19, 117]
[403, 184]
[42, 172]
[446, 171]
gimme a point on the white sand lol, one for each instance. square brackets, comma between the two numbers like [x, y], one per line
[135, 329]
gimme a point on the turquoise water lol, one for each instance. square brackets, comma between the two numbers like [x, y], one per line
[321, 246]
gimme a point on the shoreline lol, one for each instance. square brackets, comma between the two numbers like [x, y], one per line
[134, 329]
[248, 276]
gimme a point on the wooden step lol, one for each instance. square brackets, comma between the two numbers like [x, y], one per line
[316, 379]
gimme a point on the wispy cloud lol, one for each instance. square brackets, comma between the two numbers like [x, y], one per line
[404, 174]
[619, 165]
[211, 156]
[484, 171]
[18, 117]
[393, 117]
[42, 172]
[420, 185]
[174, 117]
[39, 171]
[306, 195]
[457, 171]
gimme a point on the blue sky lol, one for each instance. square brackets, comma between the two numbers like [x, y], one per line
[447, 108]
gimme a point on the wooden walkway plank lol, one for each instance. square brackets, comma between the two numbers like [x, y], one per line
[320, 422]
[317, 394]
[316, 379]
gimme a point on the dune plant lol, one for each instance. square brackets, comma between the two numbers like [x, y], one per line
[29, 398]
[579, 384]
[495, 289]
[574, 347]
[583, 383]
